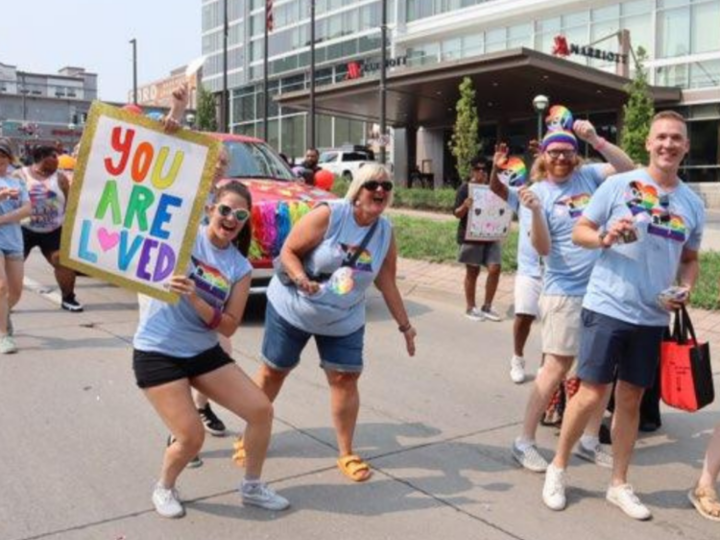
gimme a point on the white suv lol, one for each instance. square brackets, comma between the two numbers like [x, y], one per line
[345, 162]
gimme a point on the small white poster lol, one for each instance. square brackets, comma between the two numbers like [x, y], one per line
[489, 217]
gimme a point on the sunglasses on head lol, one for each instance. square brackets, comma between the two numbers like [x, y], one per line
[240, 214]
[372, 185]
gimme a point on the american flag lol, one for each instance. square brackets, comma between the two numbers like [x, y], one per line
[269, 15]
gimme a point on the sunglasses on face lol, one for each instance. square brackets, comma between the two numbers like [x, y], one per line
[664, 202]
[372, 185]
[240, 214]
[555, 154]
[479, 169]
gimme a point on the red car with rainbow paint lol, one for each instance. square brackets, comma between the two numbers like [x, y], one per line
[279, 199]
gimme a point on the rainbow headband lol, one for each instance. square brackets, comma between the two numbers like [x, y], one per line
[559, 136]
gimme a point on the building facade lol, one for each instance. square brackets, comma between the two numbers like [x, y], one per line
[681, 39]
[159, 93]
[45, 108]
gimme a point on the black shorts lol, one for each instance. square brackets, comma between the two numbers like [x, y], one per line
[154, 368]
[48, 242]
[610, 347]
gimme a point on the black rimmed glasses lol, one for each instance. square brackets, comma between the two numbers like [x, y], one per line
[240, 214]
[664, 202]
[555, 154]
[372, 185]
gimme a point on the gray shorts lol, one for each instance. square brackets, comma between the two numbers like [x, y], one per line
[480, 254]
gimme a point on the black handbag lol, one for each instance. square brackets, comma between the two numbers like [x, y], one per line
[349, 260]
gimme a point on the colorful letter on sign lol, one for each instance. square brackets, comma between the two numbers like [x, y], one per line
[136, 200]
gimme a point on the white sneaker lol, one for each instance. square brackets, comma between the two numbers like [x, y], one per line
[260, 494]
[598, 455]
[474, 314]
[491, 315]
[167, 502]
[517, 369]
[7, 345]
[529, 458]
[553, 493]
[624, 498]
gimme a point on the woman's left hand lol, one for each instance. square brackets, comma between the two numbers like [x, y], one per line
[410, 340]
[182, 285]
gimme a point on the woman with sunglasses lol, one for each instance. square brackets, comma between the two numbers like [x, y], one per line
[563, 188]
[331, 257]
[176, 348]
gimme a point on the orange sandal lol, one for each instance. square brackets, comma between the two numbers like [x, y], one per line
[239, 455]
[354, 468]
[705, 501]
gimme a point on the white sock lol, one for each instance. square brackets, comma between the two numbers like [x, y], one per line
[523, 443]
[589, 441]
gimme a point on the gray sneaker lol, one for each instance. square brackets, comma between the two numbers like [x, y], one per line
[474, 314]
[529, 458]
[260, 494]
[491, 315]
[7, 345]
[598, 455]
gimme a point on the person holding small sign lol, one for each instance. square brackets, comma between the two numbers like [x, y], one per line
[176, 348]
[475, 254]
[14, 206]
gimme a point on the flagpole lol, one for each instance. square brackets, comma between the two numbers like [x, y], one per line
[383, 84]
[266, 79]
[311, 118]
[225, 102]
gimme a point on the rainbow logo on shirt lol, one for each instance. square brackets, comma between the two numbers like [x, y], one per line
[364, 261]
[667, 225]
[514, 173]
[641, 197]
[210, 280]
[559, 118]
[342, 281]
[575, 204]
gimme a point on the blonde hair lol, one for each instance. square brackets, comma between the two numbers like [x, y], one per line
[368, 172]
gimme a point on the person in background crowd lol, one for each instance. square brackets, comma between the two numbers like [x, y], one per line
[528, 279]
[14, 206]
[310, 166]
[48, 189]
[563, 187]
[475, 254]
[646, 227]
[704, 495]
[332, 256]
[176, 348]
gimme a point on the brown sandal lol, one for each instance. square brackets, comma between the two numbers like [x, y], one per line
[705, 501]
[354, 468]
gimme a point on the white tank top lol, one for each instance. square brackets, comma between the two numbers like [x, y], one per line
[47, 201]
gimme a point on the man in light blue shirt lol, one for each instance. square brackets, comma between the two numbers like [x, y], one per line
[646, 225]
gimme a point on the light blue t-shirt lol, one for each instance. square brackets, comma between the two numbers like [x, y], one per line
[11, 239]
[627, 278]
[338, 309]
[567, 267]
[178, 330]
[528, 260]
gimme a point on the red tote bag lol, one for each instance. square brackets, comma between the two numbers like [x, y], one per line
[685, 373]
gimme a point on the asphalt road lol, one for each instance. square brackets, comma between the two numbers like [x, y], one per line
[80, 448]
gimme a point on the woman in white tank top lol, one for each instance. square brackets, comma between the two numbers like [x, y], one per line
[48, 190]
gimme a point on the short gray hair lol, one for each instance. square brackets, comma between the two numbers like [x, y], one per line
[368, 172]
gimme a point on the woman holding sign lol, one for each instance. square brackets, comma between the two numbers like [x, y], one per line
[176, 348]
[14, 206]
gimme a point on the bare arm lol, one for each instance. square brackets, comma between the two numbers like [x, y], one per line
[689, 268]
[585, 233]
[539, 232]
[617, 160]
[305, 236]
[16, 215]
[499, 159]
[387, 284]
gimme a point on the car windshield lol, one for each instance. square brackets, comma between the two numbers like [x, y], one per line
[256, 160]
[356, 156]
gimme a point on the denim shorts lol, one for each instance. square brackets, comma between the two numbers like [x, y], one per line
[12, 254]
[610, 347]
[283, 343]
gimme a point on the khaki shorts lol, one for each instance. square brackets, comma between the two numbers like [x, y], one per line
[560, 317]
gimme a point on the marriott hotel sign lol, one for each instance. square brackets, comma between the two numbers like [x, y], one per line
[564, 49]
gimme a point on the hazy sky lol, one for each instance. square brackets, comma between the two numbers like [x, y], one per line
[46, 35]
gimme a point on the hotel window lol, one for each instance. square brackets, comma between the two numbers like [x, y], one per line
[452, 48]
[546, 30]
[673, 31]
[473, 45]
[293, 135]
[705, 74]
[704, 36]
[495, 40]
[519, 35]
[637, 18]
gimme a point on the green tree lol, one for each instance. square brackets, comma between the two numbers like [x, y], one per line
[206, 110]
[465, 143]
[637, 112]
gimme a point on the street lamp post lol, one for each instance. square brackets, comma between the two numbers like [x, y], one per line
[540, 104]
[134, 49]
